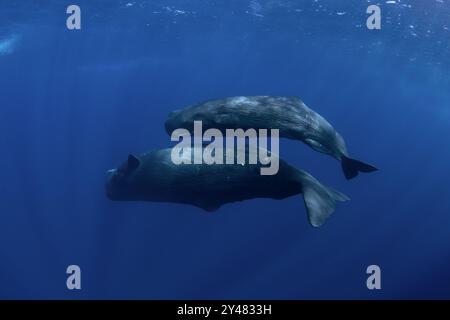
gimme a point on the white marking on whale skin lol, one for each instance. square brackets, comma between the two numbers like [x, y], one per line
[241, 100]
[7, 46]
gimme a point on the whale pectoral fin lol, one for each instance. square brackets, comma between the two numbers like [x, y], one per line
[312, 142]
[352, 167]
[316, 145]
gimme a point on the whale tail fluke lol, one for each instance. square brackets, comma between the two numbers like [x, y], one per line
[320, 201]
[352, 167]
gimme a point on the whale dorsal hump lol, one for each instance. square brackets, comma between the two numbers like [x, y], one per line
[133, 163]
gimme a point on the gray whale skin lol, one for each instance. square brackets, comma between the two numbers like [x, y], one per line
[154, 177]
[288, 114]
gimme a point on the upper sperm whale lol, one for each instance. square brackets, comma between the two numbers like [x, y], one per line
[288, 114]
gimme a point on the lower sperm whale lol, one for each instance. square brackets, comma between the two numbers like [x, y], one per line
[154, 177]
[288, 114]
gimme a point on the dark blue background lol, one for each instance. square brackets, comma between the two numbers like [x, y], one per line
[75, 103]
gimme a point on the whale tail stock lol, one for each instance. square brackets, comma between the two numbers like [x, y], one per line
[352, 167]
[320, 201]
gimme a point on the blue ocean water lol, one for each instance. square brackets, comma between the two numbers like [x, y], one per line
[75, 103]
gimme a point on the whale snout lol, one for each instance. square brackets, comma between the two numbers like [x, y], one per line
[173, 113]
[172, 122]
[169, 126]
[109, 184]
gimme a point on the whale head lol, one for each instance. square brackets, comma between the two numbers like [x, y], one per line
[174, 121]
[184, 119]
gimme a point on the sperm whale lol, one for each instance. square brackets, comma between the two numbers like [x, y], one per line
[153, 177]
[288, 114]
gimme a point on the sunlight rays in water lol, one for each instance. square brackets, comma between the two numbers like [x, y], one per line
[8, 44]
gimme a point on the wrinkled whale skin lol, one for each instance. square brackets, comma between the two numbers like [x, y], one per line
[154, 177]
[289, 115]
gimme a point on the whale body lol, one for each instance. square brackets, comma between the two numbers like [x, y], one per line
[154, 177]
[289, 115]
